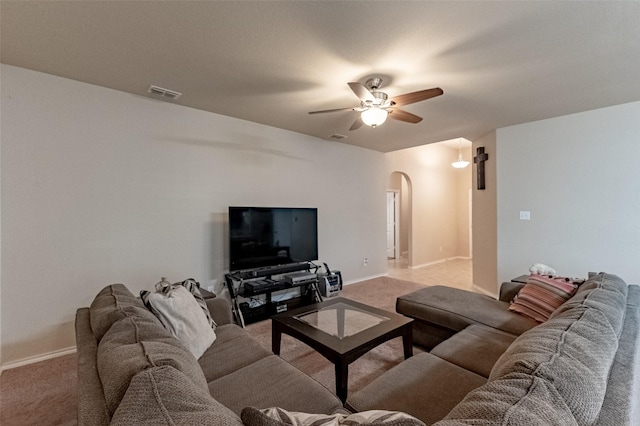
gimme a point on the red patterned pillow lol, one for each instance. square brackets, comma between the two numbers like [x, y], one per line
[542, 295]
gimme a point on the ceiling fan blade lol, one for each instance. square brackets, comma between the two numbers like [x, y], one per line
[361, 91]
[421, 95]
[401, 115]
[333, 110]
[357, 124]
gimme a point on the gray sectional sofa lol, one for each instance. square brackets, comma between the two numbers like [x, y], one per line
[581, 367]
[491, 366]
[131, 370]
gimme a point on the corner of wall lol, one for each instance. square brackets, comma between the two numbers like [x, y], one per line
[1, 321]
[485, 222]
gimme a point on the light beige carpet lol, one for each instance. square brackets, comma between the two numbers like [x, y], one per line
[45, 393]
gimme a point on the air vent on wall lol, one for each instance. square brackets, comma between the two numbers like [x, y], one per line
[337, 136]
[165, 93]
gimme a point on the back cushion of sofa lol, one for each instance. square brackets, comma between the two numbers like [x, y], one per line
[604, 292]
[133, 344]
[165, 396]
[622, 403]
[515, 399]
[111, 304]
[573, 351]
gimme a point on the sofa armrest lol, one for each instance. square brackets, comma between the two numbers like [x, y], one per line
[92, 405]
[206, 294]
[509, 290]
[220, 310]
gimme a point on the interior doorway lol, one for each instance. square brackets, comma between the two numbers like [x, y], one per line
[393, 234]
[399, 218]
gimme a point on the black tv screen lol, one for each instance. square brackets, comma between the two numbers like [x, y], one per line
[269, 236]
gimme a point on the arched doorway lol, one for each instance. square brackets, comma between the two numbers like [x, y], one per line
[399, 219]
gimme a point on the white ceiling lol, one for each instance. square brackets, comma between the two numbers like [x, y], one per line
[499, 63]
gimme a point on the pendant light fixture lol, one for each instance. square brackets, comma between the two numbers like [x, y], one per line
[460, 163]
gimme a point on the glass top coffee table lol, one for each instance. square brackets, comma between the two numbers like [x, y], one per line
[342, 330]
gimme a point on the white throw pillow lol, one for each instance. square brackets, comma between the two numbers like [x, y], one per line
[180, 313]
[275, 416]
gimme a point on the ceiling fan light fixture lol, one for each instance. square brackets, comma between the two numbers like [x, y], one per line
[374, 116]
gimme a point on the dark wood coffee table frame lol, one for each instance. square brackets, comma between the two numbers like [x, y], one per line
[342, 352]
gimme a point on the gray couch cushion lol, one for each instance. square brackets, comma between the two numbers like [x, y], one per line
[622, 402]
[92, 409]
[233, 349]
[604, 292]
[220, 310]
[476, 348]
[165, 396]
[134, 344]
[135, 328]
[456, 309]
[273, 382]
[424, 386]
[515, 399]
[111, 304]
[573, 352]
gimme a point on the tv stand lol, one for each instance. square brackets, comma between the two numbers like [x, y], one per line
[251, 290]
[274, 270]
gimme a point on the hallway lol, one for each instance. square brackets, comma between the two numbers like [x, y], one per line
[452, 273]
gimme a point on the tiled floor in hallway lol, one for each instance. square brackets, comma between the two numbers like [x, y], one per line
[452, 273]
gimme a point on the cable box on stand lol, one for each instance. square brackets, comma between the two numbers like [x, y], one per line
[260, 286]
[299, 278]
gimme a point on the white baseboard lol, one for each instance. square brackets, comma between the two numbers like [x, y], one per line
[37, 358]
[370, 277]
[435, 262]
[427, 264]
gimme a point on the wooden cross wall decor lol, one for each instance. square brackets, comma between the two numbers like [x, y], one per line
[479, 160]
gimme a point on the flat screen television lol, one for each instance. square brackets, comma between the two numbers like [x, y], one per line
[261, 237]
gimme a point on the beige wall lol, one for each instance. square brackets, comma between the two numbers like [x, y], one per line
[464, 190]
[579, 176]
[437, 209]
[485, 264]
[100, 186]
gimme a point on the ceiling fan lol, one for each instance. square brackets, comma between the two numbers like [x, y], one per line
[375, 106]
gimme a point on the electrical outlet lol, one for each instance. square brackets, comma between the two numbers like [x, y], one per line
[365, 262]
[525, 215]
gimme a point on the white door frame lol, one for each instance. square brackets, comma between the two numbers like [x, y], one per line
[396, 221]
[470, 223]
